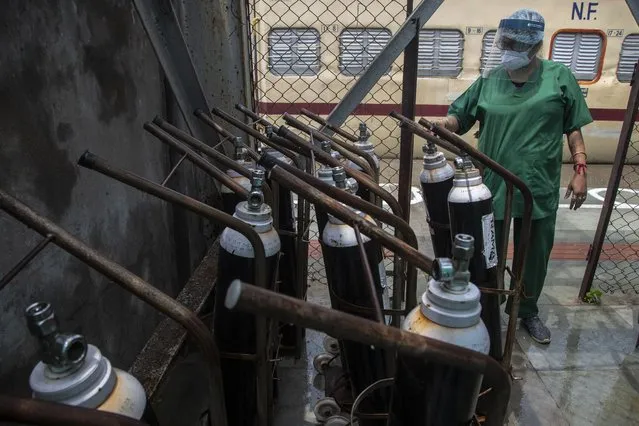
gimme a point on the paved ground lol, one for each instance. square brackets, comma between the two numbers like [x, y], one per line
[588, 375]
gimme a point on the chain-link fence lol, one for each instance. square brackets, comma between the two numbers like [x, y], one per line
[613, 257]
[308, 54]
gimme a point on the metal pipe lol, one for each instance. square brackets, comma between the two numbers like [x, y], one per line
[402, 228]
[202, 147]
[364, 160]
[519, 262]
[343, 133]
[196, 159]
[251, 131]
[25, 261]
[255, 116]
[347, 216]
[362, 178]
[45, 413]
[213, 153]
[368, 275]
[134, 285]
[206, 119]
[248, 298]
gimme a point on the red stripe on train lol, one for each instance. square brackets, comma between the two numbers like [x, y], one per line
[423, 110]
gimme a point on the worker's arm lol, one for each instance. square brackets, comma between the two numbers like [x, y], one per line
[449, 122]
[577, 186]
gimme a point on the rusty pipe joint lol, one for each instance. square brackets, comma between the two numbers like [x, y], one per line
[61, 352]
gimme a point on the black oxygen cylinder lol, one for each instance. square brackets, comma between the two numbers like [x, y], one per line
[436, 181]
[471, 212]
[429, 393]
[235, 331]
[229, 198]
[347, 287]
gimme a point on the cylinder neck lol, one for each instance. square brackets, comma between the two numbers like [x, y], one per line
[451, 300]
[465, 173]
[240, 150]
[63, 353]
[433, 159]
[254, 211]
[363, 142]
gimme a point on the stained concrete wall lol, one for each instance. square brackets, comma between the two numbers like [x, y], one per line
[82, 75]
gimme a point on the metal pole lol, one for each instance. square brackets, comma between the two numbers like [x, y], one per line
[368, 275]
[135, 285]
[364, 160]
[613, 185]
[25, 261]
[248, 298]
[383, 61]
[402, 228]
[409, 93]
[343, 133]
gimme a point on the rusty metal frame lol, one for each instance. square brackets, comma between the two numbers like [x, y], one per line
[249, 298]
[260, 358]
[133, 284]
[521, 250]
[613, 185]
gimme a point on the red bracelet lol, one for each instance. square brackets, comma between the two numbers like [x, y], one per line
[580, 167]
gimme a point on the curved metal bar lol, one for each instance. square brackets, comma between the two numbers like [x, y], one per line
[135, 285]
[197, 159]
[349, 217]
[343, 133]
[255, 116]
[248, 298]
[361, 178]
[402, 228]
[162, 129]
[363, 159]
[251, 131]
[45, 413]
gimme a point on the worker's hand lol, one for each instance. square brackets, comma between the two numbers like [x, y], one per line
[577, 188]
[449, 123]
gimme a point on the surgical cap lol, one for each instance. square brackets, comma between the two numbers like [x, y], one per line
[512, 27]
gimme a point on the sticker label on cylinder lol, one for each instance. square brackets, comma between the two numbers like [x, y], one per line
[488, 233]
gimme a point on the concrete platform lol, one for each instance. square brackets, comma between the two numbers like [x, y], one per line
[588, 375]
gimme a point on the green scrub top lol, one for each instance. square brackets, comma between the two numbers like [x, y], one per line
[522, 129]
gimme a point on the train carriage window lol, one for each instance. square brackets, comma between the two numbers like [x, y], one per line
[628, 57]
[358, 48]
[440, 53]
[294, 51]
[579, 51]
[487, 60]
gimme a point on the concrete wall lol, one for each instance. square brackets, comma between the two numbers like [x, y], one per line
[82, 75]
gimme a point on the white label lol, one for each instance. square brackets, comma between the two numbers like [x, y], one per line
[385, 292]
[490, 249]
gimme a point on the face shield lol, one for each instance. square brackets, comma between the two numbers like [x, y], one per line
[513, 50]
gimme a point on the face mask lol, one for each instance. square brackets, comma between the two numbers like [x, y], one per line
[512, 60]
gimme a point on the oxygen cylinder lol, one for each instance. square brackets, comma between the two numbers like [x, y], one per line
[436, 181]
[289, 260]
[229, 197]
[325, 174]
[432, 394]
[73, 372]
[471, 212]
[235, 331]
[347, 287]
[365, 145]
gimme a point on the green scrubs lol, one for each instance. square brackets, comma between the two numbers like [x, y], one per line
[522, 128]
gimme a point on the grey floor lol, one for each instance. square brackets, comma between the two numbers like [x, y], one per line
[588, 375]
